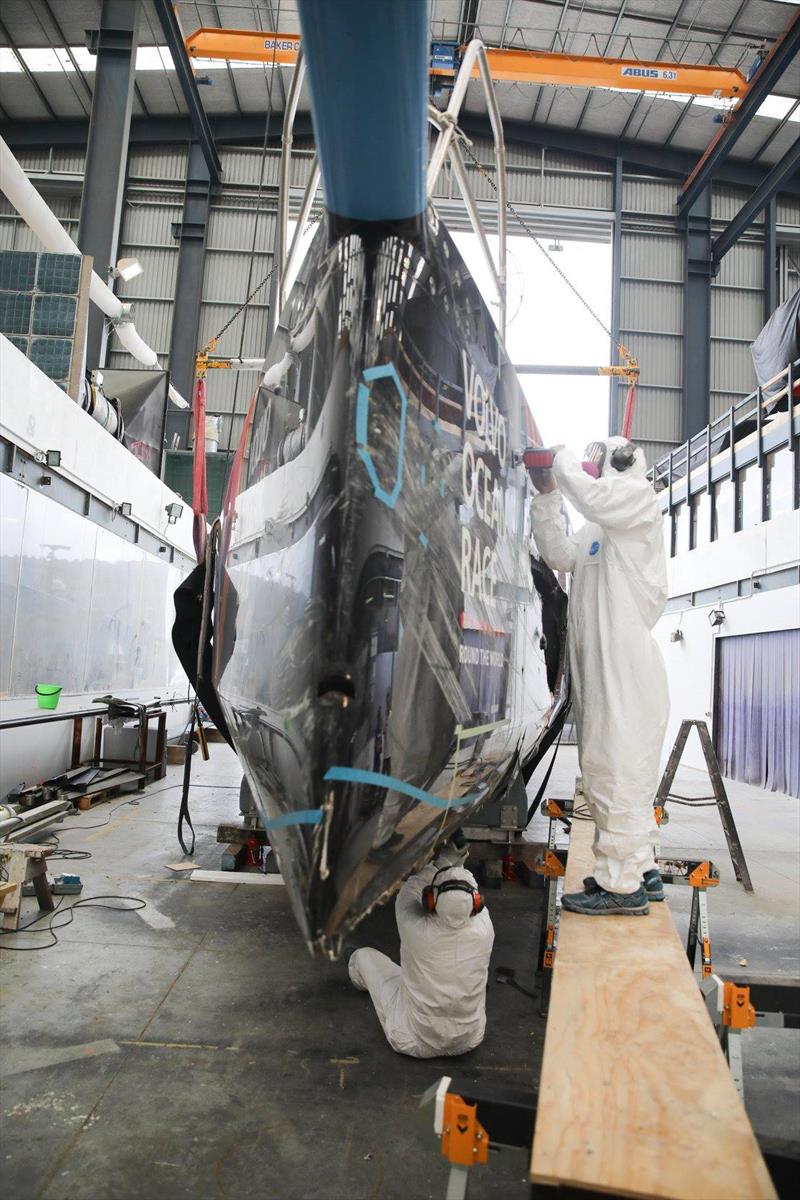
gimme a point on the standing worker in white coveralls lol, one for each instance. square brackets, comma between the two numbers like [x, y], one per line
[435, 1001]
[619, 684]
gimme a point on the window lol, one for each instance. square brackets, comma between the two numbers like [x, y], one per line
[723, 509]
[780, 482]
[748, 497]
[681, 528]
[701, 519]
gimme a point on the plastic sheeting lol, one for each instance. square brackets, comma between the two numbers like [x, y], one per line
[79, 606]
[778, 344]
[758, 709]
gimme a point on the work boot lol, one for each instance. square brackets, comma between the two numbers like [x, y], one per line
[595, 901]
[653, 885]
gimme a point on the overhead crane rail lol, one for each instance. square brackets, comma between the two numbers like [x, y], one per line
[511, 65]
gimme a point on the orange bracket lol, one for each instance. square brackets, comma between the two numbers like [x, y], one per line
[737, 1011]
[701, 876]
[551, 867]
[464, 1140]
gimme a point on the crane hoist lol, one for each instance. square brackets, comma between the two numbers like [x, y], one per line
[513, 64]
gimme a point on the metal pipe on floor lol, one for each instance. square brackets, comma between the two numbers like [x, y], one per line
[12, 828]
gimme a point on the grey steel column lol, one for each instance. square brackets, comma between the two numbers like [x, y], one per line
[614, 403]
[697, 316]
[115, 44]
[770, 258]
[190, 234]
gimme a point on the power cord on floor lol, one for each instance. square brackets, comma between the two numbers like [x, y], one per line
[63, 852]
[134, 904]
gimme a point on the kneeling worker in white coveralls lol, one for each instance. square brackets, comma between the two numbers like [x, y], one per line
[619, 684]
[435, 1001]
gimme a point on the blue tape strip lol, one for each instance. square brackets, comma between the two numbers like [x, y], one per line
[384, 371]
[392, 784]
[423, 540]
[302, 816]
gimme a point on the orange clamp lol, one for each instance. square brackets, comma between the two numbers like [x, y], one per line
[737, 1011]
[551, 866]
[702, 877]
[464, 1140]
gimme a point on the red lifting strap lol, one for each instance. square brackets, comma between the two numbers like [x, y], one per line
[199, 483]
[627, 416]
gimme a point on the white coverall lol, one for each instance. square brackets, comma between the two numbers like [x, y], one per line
[435, 1001]
[619, 684]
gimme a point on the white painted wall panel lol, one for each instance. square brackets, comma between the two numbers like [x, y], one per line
[13, 500]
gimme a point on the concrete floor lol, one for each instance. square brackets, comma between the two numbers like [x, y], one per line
[194, 1049]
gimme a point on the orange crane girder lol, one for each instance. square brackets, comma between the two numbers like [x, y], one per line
[515, 65]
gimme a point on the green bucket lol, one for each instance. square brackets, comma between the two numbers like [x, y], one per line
[47, 695]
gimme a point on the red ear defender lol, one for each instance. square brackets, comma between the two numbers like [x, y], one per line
[431, 892]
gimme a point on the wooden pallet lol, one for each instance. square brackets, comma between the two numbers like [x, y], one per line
[636, 1098]
[105, 789]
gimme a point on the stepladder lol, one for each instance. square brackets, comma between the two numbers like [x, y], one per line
[718, 793]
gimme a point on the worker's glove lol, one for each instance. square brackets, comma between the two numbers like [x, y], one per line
[451, 855]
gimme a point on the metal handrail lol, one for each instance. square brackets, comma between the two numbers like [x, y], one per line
[750, 406]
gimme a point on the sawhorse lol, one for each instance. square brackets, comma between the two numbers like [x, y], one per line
[24, 864]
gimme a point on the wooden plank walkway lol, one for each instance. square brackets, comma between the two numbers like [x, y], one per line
[636, 1098]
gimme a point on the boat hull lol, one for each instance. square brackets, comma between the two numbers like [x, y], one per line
[383, 656]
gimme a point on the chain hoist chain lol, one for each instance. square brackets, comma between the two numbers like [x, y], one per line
[212, 342]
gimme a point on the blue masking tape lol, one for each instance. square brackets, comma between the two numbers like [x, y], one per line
[303, 816]
[391, 784]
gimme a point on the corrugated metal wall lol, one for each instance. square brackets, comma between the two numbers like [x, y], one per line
[562, 195]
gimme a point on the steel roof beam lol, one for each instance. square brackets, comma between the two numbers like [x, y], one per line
[248, 130]
[188, 84]
[763, 82]
[769, 187]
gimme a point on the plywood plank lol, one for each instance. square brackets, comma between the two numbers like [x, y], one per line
[254, 878]
[636, 1098]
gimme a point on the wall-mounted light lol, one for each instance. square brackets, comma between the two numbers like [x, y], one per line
[716, 617]
[48, 458]
[174, 512]
[127, 269]
[126, 508]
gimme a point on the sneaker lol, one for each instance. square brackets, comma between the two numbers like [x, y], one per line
[653, 885]
[597, 902]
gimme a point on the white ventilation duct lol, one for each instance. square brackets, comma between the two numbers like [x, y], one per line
[45, 224]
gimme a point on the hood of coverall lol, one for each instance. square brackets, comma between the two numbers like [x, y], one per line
[454, 909]
[639, 466]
